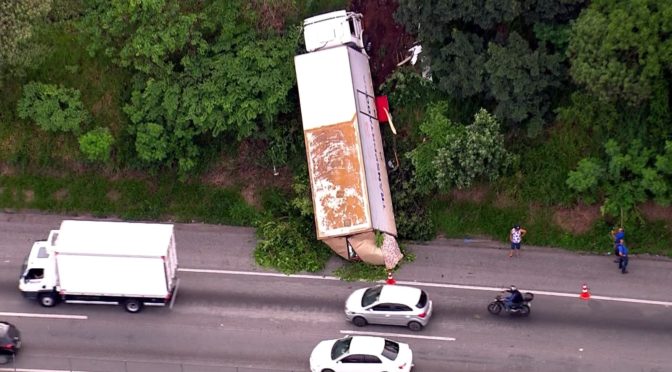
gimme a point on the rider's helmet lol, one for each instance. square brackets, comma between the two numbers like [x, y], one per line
[513, 288]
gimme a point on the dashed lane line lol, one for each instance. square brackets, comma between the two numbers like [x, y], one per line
[396, 335]
[36, 370]
[50, 316]
[428, 284]
[257, 273]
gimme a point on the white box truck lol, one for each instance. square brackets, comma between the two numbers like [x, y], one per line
[101, 262]
[344, 147]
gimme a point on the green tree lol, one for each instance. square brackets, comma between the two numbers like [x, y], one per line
[147, 35]
[96, 144]
[202, 71]
[17, 22]
[514, 80]
[53, 108]
[454, 155]
[621, 49]
[151, 142]
[630, 175]
[233, 89]
[489, 50]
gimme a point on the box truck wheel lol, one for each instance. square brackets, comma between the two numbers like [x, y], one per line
[48, 299]
[132, 305]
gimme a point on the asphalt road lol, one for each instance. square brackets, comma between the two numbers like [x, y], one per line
[236, 318]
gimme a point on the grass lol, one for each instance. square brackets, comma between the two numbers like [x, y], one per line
[127, 199]
[102, 90]
[355, 271]
[457, 219]
[100, 82]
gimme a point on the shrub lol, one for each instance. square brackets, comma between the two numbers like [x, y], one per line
[151, 142]
[455, 155]
[53, 108]
[287, 245]
[96, 144]
[410, 212]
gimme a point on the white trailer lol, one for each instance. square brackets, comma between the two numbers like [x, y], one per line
[132, 264]
[344, 147]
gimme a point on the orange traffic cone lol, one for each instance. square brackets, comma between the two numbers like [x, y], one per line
[585, 294]
[390, 279]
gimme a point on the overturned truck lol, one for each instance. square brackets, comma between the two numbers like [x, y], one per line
[344, 148]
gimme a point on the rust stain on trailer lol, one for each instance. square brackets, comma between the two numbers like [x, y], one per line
[336, 175]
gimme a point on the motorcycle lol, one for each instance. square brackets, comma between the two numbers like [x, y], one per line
[522, 309]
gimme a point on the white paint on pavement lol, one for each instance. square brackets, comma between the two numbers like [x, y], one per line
[536, 292]
[258, 273]
[36, 370]
[428, 284]
[51, 316]
[396, 335]
[631, 300]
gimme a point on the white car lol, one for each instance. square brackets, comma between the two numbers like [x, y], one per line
[389, 304]
[361, 354]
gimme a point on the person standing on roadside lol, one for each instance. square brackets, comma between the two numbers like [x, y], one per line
[516, 236]
[622, 257]
[617, 234]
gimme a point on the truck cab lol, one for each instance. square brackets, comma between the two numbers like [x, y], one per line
[333, 29]
[38, 273]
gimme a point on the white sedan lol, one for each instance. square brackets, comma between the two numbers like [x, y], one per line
[361, 354]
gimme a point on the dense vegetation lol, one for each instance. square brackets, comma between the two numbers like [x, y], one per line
[126, 107]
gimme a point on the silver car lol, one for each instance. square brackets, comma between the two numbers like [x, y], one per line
[389, 304]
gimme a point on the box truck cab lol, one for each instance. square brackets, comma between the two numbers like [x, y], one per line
[332, 30]
[101, 262]
[38, 274]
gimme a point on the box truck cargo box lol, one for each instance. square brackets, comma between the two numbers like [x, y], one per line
[344, 148]
[132, 264]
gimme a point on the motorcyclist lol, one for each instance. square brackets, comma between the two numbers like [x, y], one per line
[514, 299]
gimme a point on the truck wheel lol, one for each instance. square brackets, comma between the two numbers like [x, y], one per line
[132, 305]
[48, 300]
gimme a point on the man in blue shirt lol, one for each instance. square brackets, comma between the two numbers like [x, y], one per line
[617, 235]
[622, 257]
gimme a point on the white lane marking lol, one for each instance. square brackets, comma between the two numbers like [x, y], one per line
[536, 292]
[52, 316]
[631, 300]
[427, 284]
[364, 333]
[37, 370]
[258, 273]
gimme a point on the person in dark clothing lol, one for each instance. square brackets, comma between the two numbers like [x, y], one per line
[622, 257]
[515, 298]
